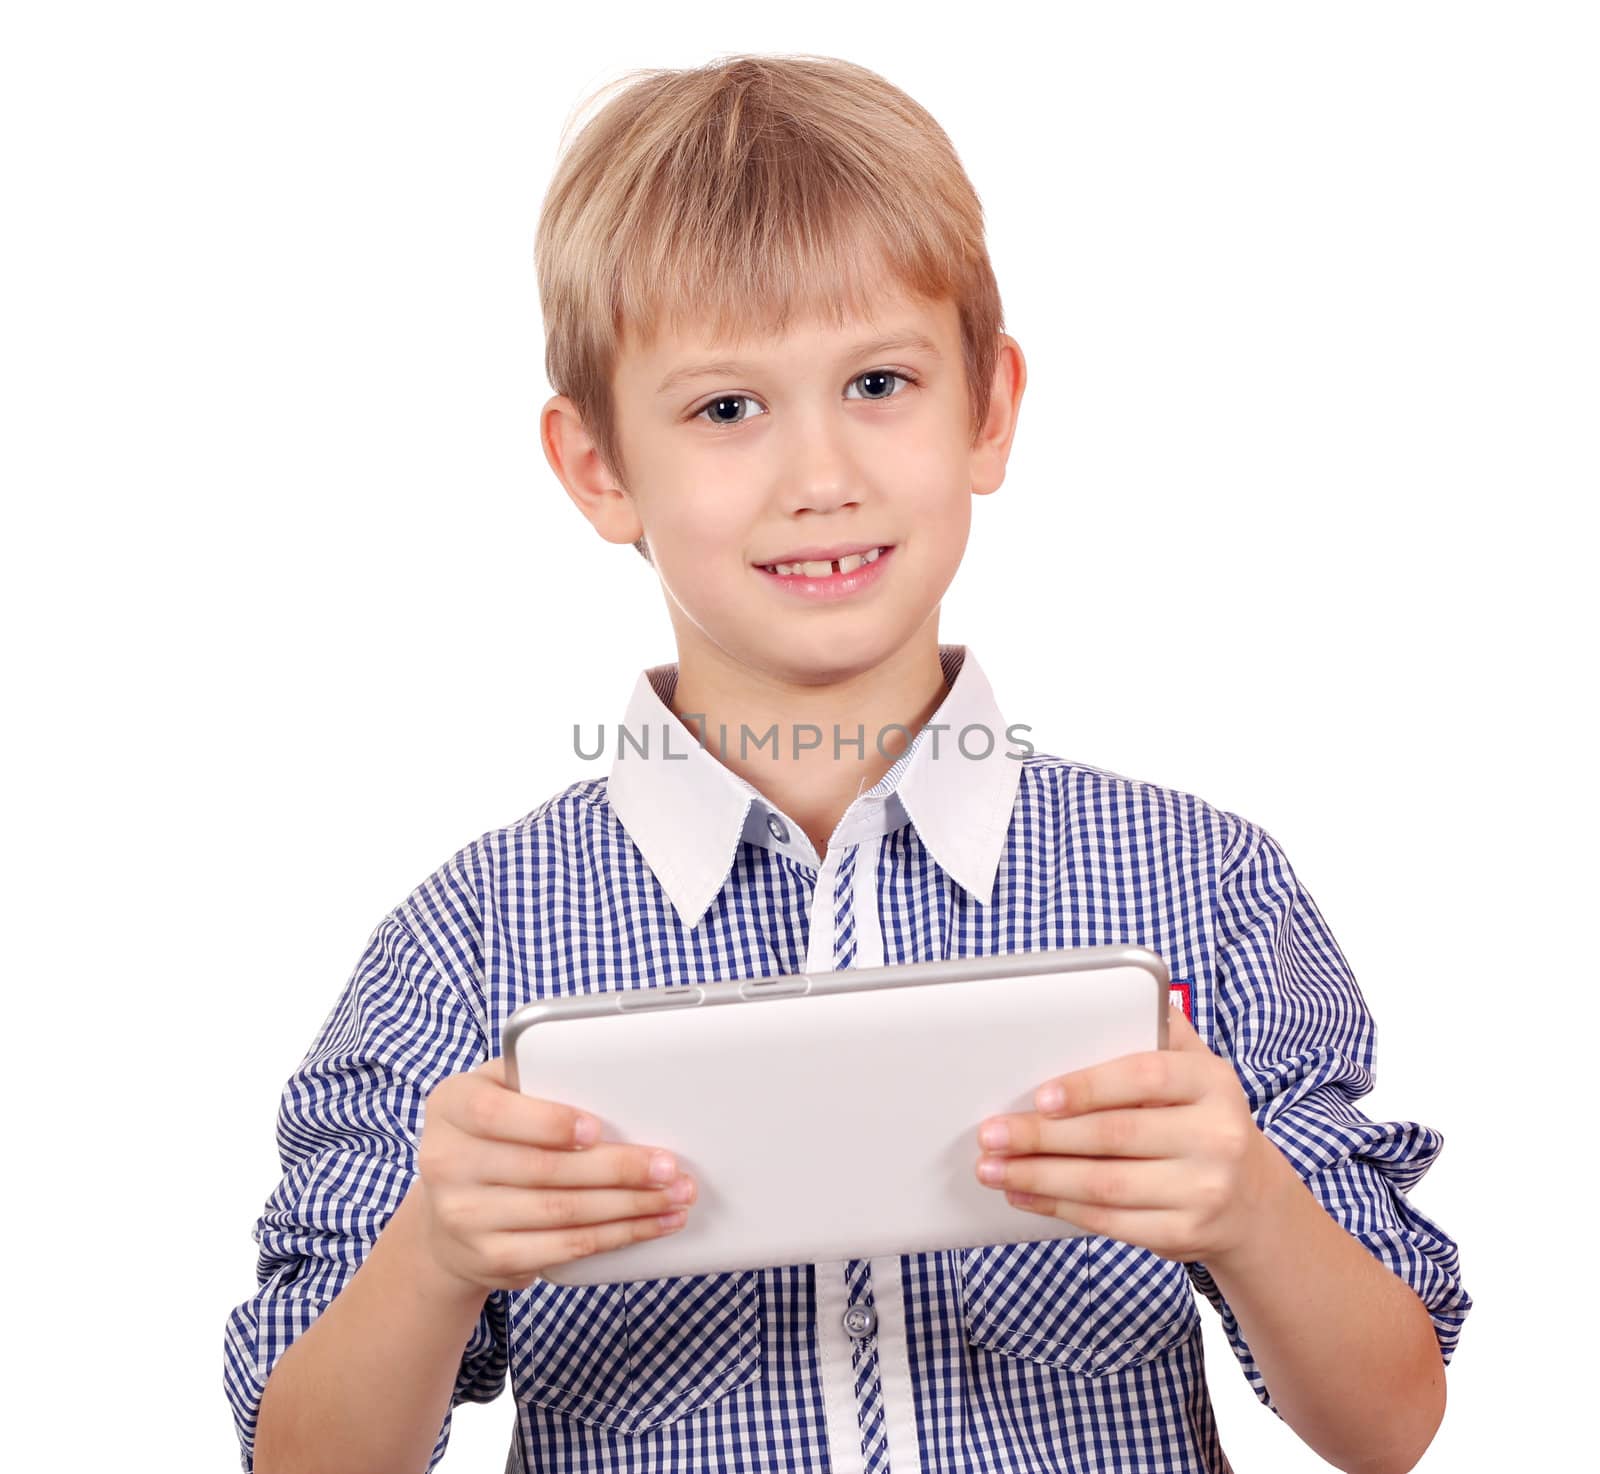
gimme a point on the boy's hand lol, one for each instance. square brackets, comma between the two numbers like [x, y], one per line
[511, 1185]
[1157, 1149]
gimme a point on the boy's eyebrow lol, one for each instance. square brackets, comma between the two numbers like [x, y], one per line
[725, 368]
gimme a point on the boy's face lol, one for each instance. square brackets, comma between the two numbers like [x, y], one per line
[743, 455]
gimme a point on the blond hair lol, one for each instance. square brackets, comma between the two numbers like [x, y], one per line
[742, 194]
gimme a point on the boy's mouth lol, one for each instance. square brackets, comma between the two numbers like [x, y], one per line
[826, 580]
[826, 567]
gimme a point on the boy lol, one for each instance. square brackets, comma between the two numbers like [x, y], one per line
[777, 340]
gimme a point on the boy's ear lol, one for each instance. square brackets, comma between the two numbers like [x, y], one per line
[591, 484]
[993, 446]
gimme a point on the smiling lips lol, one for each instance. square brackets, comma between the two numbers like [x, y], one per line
[826, 561]
[824, 580]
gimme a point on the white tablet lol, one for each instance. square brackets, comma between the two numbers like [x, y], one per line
[833, 1115]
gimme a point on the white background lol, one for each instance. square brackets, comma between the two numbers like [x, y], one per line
[1298, 519]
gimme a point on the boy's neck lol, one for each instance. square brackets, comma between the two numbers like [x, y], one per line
[815, 787]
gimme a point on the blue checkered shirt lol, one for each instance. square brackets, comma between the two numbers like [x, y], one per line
[1072, 1354]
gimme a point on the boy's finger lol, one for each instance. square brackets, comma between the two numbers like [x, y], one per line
[1120, 1184]
[1181, 1033]
[562, 1245]
[509, 1209]
[1123, 1133]
[493, 1069]
[611, 1164]
[1154, 1077]
[480, 1106]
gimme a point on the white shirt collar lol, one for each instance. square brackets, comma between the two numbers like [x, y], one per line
[688, 813]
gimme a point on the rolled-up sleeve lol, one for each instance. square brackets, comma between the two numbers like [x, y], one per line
[348, 1127]
[1290, 1017]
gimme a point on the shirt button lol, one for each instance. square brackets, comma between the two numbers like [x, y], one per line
[777, 828]
[861, 1321]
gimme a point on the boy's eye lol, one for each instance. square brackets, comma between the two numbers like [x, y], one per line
[724, 409]
[879, 379]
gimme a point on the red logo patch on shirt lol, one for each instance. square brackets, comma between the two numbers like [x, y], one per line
[1181, 993]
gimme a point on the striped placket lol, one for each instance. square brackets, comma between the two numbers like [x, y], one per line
[860, 1316]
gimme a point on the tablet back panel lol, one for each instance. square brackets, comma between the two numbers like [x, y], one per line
[841, 1122]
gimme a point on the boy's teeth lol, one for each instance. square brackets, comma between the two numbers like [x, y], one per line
[822, 570]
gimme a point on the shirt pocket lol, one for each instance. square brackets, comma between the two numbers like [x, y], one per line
[635, 1356]
[1090, 1305]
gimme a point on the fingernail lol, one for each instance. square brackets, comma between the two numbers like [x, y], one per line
[672, 1220]
[662, 1167]
[1051, 1098]
[991, 1171]
[586, 1131]
[682, 1191]
[996, 1136]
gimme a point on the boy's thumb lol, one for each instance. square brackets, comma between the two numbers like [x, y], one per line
[1181, 1033]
